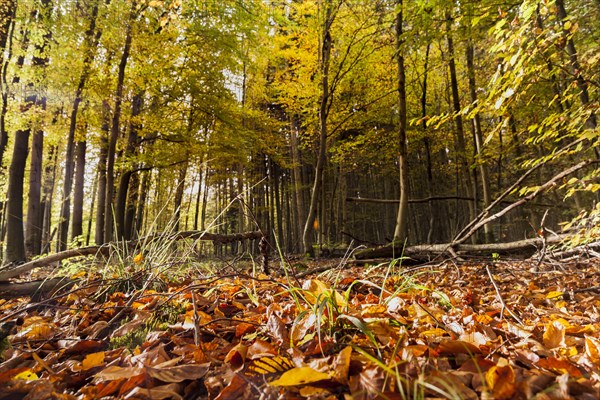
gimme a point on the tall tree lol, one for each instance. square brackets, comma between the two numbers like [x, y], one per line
[400, 232]
[7, 13]
[15, 237]
[329, 14]
[92, 35]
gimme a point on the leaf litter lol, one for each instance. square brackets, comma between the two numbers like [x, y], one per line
[467, 331]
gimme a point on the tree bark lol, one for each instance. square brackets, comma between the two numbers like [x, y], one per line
[132, 139]
[33, 230]
[91, 40]
[478, 136]
[101, 190]
[78, 192]
[109, 215]
[179, 195]
[461, 147]
[401, 229]
[582, 84]
[47, 196]
[7, 14]
[325, 59]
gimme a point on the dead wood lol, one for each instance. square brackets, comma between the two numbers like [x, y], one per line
[422, 253]
[106, 249]
[35, 289]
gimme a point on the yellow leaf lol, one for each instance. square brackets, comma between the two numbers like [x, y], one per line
[319, 291]
[92, 360]
[300, 376]
[26, 376]
[433, 332]
[138, 259]
[554, 295]
[592, 349]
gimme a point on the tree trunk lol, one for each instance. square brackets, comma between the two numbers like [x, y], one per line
[132, 139]
[33, 231]
[326, 43]
[15, 240]
[461, 147]
[132, 200]
[478, 135]
[582, 84]
[179, 195]
[400, 232]
[47, 196]
[91, 40]
[141, 204]
[102, 157]
[78, 192]
[109, 217]
[7, 14]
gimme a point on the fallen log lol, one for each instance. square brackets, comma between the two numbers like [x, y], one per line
[39, 289]
[426, 252]
[106, 249]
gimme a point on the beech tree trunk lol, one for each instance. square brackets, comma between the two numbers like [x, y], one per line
[47, 196]
[400, 232]
[109, 215]
[325, 58]
[78, 192]
[582, 84]
[461, 146]
[179, 195]
[7, 13]
[101, 190]
[478, 136]
[122, 192]
[91, 40]
[33, 231]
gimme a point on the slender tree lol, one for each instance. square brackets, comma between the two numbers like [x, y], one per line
[400, 232]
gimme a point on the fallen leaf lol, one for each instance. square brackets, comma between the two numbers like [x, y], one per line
[501, 380]
[179, 373]
[93, 360]
[554, 335]
[300, 376]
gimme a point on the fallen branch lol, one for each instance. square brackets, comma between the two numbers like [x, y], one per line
[465, 234]
[429, 251]
[106, 249]
[35, 289]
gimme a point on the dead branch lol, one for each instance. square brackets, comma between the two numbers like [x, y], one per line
[426, 252]
[476, 224]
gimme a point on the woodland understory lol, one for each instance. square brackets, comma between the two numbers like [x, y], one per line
[321, 199]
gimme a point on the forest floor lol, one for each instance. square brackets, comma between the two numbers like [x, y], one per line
[502, 330]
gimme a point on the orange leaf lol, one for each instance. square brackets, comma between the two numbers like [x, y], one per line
[559, 366]
[501, 380]
[92, 360]
[554, 336]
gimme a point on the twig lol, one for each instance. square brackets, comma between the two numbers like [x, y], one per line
[196, 320]
[504, 307]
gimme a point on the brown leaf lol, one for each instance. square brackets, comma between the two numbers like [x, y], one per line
[179, 373]
[451, 347]
[170, 391]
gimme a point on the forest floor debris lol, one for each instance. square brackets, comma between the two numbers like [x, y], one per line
[502, 330]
